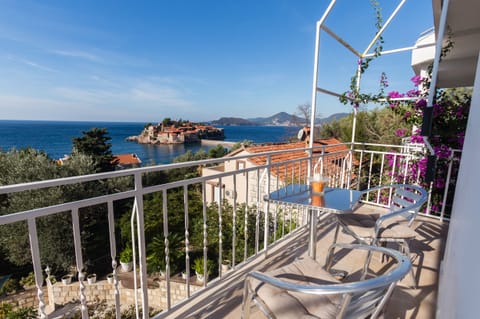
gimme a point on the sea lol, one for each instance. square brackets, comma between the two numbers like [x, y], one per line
[55, 138]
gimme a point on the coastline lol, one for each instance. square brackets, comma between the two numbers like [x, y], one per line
[226, 144]
[55, 138]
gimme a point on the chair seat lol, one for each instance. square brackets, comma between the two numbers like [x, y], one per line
[289, 304]
[364, 226]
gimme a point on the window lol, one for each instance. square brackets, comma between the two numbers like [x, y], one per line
[241, 165]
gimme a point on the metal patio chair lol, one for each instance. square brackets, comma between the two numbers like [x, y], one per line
[305, 289]
[392, 226]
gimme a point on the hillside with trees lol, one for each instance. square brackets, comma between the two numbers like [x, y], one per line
[91, 154]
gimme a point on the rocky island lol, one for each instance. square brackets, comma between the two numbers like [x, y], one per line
[177, 132]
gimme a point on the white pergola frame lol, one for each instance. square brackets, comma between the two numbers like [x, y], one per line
[321, 26]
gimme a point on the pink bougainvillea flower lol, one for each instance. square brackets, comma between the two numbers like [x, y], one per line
[439, 182]
[420, 104]
[442, 151]
[437, 110]
[401, 132]
[395, 94]
[413, 93]
[407, 115]
[416, 139]
[417, 80]
[459, 112]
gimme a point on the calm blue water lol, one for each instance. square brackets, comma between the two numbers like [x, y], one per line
[55, 138]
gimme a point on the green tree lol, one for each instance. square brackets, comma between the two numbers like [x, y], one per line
[239, 145]
[54, 232]
[376, 126]
[94, 143]
[167, 121]
[217, 152]
[22, 166]
[332, 129]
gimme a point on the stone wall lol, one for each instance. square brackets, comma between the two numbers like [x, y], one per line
[27, 298]
[103, 290]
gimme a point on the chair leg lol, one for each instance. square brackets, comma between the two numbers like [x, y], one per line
[406, 250]
[366, 265]
[384, 256]
[247, 301]
[336, 233]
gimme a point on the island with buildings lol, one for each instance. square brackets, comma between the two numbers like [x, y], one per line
[177, 132]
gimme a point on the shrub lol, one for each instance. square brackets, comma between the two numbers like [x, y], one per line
[126, 255]
[11, 285]
[29, 280]
[7, 312]
[198, 266]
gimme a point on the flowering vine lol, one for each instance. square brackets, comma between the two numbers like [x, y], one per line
[354, 96]
[450, 114]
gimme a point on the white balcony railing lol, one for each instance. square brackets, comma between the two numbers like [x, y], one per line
[256, 223]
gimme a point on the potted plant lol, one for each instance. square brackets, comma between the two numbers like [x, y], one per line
[199, 269]
[126, 257]
[156, 254]
[28, 281]
[67, 279]
[110, 278]
[91, 279]
[156, 264]
[226, 265]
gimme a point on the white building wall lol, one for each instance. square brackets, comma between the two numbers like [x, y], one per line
[460, 270]
[255, 186]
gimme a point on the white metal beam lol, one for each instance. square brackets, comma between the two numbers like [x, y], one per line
[385, 25]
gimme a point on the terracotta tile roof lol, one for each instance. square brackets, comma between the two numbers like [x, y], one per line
[334, 154]
[127, 159]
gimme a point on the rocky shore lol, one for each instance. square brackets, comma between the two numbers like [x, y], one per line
[177, 133]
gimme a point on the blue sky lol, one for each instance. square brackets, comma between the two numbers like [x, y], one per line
[198, 60]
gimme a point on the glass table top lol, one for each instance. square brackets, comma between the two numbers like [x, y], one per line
[333, 199]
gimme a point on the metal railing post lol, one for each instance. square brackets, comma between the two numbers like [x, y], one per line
[187, 238]
[113, 255]
[37, 266]
[234, 222]
[204, 211]
[77, 241]
[267, 206]
[220, 229]
[141, 243]
[245, 230]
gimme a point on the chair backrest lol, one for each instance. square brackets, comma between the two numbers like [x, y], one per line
[405, 199]
[358, 299]
[409, 199]
[366, 298]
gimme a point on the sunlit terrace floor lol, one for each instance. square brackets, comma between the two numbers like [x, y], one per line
[224, 299]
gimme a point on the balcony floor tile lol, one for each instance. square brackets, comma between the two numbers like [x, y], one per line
[223, 299]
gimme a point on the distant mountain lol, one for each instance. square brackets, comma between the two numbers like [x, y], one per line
[333, 117]
[232, 121]
[279, 119]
